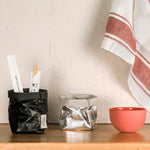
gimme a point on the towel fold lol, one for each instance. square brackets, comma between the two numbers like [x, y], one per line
[128, 36]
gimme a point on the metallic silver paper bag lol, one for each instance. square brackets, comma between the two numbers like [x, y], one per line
[76, 116]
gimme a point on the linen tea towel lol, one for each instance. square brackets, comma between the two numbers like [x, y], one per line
[128, 36]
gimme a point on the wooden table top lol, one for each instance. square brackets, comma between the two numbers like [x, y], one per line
[103, 136]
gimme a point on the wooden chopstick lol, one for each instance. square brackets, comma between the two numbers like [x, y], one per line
[35, 70]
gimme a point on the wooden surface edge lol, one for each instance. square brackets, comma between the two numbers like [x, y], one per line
[75, 146]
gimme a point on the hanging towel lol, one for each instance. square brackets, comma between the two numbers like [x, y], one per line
[128, 36]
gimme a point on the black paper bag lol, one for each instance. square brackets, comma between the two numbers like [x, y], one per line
[28, 112]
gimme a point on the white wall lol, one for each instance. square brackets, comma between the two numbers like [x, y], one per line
[63, 37]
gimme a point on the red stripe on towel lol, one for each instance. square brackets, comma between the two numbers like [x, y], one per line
[143, 57]
[139, 85]
[119, 43]
[121, 30]
[142, 72]
[113, 13]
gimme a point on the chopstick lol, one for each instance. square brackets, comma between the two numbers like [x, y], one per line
[35, 70]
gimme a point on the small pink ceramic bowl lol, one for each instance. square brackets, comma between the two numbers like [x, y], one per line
[127, 119]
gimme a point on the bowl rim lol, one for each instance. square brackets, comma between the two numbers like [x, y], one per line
[127, 109]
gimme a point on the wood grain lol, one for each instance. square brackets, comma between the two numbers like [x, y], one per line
[102, 137]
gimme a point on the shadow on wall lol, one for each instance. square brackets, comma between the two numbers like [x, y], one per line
[93, 40]
[99, 20]
[55, 90]
[103, 113]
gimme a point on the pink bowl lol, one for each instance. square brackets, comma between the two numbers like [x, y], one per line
[127, 119]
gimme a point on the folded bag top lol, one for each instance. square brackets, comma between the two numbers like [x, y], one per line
[42, 94]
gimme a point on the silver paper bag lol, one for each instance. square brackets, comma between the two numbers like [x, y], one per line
[74, 115]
